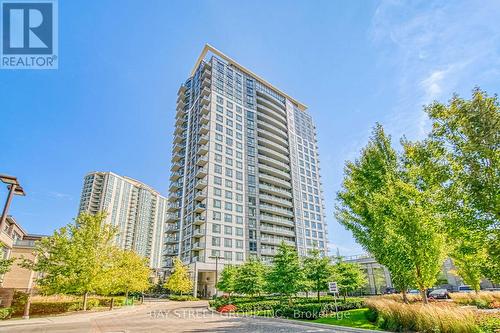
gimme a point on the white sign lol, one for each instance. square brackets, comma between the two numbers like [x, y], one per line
[332, 287]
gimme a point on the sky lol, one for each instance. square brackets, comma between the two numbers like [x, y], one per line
[110, 105]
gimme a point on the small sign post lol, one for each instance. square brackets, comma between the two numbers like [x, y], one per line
[333, 288]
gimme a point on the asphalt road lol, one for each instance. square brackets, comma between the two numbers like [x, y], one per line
[160, 317]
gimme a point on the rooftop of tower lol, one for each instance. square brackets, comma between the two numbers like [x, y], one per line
[209, 48]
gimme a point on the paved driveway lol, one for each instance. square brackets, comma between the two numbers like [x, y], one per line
[160, 317]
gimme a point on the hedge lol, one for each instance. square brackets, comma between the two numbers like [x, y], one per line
[182, 298]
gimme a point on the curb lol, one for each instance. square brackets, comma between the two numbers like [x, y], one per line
[300, 322]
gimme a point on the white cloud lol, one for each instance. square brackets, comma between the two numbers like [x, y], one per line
[436, 48]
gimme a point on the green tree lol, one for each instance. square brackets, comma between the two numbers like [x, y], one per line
[75, 257]
[391, 204]
[469, 131]
[318, 271]
[5, 264]
[364, 210]
[180, 280]
[127, 272]
[349, 277]
[286, 276]
[250, 279]
[227, 280]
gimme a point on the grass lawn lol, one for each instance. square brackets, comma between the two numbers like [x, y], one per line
[352, 318]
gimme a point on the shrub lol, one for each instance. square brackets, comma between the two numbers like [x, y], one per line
[394, 316]
[483, 300]
[316, 310]
[182, 298]
[5, 313]
[226, 308]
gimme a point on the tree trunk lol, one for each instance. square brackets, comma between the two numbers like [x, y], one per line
[424, 296]
[126, 297]
[345, 295]
[405, 297]
[318, 297]
[85, 298]
[112, 303]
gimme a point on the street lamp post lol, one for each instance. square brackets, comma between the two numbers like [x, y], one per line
[216, 270]
[14, 189]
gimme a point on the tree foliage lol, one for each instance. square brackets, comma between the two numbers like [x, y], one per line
[180, 280]
[227, 279]
[250, 279]
[75, 257]
[286, 276]
[318, 271]
[390, 203]
[349, 276]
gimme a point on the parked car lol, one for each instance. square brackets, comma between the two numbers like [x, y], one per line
[464, 289]
[413, 292]
[439, 294]
[389, 291]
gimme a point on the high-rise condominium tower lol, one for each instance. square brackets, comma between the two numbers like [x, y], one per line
[245, 171]
[136, 209]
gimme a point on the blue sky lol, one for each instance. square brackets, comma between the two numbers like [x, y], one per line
[110, 105]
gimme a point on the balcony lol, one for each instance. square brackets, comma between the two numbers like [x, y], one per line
[180, 129]
[175, 186]
[204, 111]
[198, 246]
[199, 219]
[176, 175]
[204, 120]
[200, 195]
[275, 200]
[272, 145]
[277, 231]
[271, 121]
[276, 210]
[275, 181]
[274, 172]
[277, 220]
[201, 172]
[174, 196]
[205, 92]
[178, 156]
[279, 116]
[205, 101]
[272, 130]
[201, 160]
[178, 147]
[171, 251]
[171, 240]
[275, 190]
[172, 217]
[177, 166]
[272, 153]
[274, 163]
[201, 184]
[271, 101]
[267, 251]
[206, 83]
[179, 138]
[272, 137]
[172, 228]
[200, 207]
[181, 121]
[173, 206]
[203, 139]
[204, 129]
[202, 149]
[207, 74]
[276, 241]
[198, 233]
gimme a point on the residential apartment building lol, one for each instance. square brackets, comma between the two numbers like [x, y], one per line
[136, 209]
[16, 243]
[245, 171]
